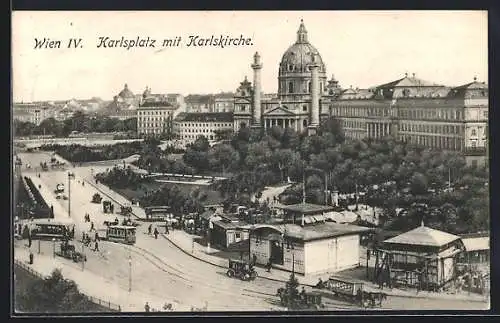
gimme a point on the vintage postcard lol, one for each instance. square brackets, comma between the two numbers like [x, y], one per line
[250, 161]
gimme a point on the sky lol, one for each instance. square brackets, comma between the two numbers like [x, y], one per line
[361, 48]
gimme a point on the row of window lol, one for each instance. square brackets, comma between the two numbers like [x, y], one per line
[154, 112]
[196, 130]
[440, 142]
[416, 114]
[150, 125]
[445, 129]
[152, 118]
[204, 125]
[349, 111]
[445, 114]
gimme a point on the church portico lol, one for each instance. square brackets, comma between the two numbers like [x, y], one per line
[301, 82]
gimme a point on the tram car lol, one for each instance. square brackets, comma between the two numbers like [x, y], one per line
[121, 234]
[46, 229]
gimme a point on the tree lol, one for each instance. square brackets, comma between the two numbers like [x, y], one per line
[223, 157]
[53, 294]
[292, 292]
[418, 184]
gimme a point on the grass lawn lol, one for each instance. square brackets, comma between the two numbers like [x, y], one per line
[213, 197]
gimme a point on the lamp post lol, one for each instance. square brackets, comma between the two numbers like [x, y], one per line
[70, 176]
[54, 247]
[83, 255]
[38, 246]
[129, 273]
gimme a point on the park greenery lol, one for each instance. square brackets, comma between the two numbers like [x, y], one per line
[408, 183]
[54, 294]
[79, 122]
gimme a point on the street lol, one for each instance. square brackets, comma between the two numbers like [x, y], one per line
[160, 269]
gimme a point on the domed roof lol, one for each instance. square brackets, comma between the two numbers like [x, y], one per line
[300, 55]
[126, 93]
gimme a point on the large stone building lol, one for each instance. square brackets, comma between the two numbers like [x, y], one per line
[410, 109]
[189, 126]
[32, 112]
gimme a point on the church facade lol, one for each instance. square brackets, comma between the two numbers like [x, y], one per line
[408, 109]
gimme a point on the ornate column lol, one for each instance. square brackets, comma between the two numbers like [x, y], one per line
[257, 106]
[314, 124]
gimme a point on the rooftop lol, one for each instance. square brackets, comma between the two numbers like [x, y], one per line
[317, 231]
[307, 208]
[205, 117]
[476, 243]
[423, 236]
[155, 104]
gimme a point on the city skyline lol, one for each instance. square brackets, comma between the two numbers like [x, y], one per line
[417, 43]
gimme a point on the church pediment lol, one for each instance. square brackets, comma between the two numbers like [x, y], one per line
[279, 111]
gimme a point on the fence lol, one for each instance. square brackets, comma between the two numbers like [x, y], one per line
[95, 300]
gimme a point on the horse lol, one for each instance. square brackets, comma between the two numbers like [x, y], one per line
[375, 299]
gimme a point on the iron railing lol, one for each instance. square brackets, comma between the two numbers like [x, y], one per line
[95, 300]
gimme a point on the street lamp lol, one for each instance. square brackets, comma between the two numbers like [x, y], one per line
[129, 273]
[70, 176]
[83, 256]
[54, 247]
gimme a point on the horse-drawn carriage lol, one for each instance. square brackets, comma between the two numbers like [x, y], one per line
[68, 251]
[126, 210]
[354, 292]
[241, 269]
[96, 198]
[300, 301]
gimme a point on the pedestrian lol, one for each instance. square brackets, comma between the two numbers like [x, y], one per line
[156, 233]
[254, 259]
[146, 307]
[150, 228]
[29, 240]
[96, 247]
[73, 232]
[38, 175]
[83, 183]
[96, 236]
[166, 228]
[91, 226]
[269, 265]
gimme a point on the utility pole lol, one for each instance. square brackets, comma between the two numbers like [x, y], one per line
[304, 187]
[326, 188]
[129, 272]
[449, 178]
[83, 255]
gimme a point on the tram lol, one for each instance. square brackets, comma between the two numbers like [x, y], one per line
[46, 229]
[121, 233]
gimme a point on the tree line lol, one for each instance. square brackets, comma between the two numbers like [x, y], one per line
[388, 174]
[79, 122]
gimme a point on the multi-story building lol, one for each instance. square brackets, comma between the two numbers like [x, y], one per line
[410, 109]
[197, 103]
[224, 102]
[34, 112]
[155, 118]
[189, 126]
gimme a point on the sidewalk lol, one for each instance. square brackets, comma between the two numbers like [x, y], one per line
[137, 211]
[185, 242]
[94, 285]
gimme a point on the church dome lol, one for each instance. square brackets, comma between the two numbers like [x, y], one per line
[126, 93]
[301, 55]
